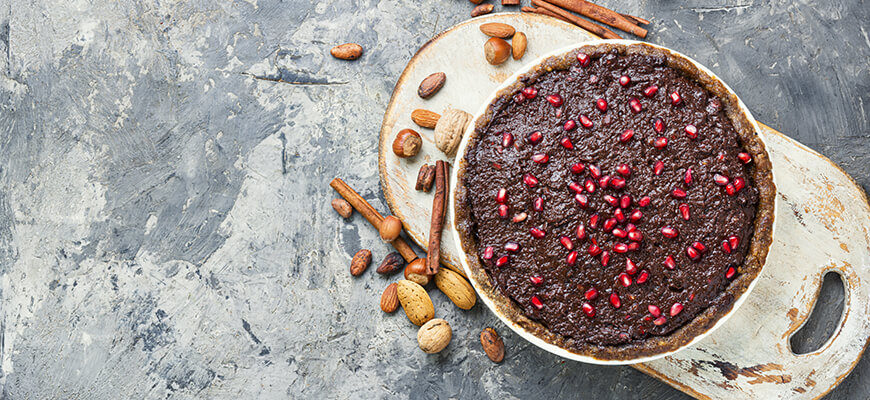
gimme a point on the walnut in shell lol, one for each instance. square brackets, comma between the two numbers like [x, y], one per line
[449, 130]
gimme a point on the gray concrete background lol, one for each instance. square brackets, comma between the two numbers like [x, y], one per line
[165, 228]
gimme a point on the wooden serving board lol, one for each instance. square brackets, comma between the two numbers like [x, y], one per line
[823, 224]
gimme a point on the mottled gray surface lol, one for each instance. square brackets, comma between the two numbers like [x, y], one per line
[165, 228]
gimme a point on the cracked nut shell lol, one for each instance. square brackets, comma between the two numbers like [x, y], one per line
[407, 143]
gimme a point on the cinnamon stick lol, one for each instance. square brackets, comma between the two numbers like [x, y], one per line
[635, 19]
[601, 14]
[372, 215]
[589, 26]
[545, 12]
[439, 206]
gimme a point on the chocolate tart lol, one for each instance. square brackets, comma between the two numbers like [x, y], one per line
[614, 202]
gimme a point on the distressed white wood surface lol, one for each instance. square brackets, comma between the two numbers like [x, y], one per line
[823, 224]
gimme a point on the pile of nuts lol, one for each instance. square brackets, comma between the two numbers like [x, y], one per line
[496, 49]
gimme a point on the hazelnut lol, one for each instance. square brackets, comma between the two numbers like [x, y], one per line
[497, 50]
[416, 272]
[407, 143]
[390, 228]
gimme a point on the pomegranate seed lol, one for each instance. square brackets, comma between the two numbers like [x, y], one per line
[684, 211]
[605, 258]
[585, 121]
[635, 215]
[589, 185]
[588, 310]
[659, 125]
[594, 171]
[593, 221]
[625, 201]
[614, 300]
[566, 143]
[601, 104]
[501, 196]
[630, 267]
[584, 59]
[745, 157]
[537, 232]
[572, 258]
[530, 180]
[617, 182]
[635, 105]
[691, 131]
[539, 204]
[566, 242]
[503, 210]
[624, 279]
[555, 100]
[591, 294]
[613, 201]
[688, 178]
[626, 135]
[530, 92]
[670, 263]
[633, 246]
[570, 125]
[619, 215]
[502, 261]
[520, 217]
[541, 158]
[660, 321]
[537, 302]
[507, 139]
[660, 143]
[669, 232]
[678, 193]
[594, 250]
[624, 170]
[624, 80]
[609, 224]
[518, 98]
[512, 247]
[730, 272]
[650, 90]
[676, 308]
[720, 180]
[721, 157]
[630, 227]
[699, 246]
[691, 297]
[620, 233]
[658, 168]
[675, 98]
[644, 275]
[620, 248]
[739, 183]
[581, 232]
[654, 310]
[535, 137]
[693, 253]
[488, 252]
[726, 246]
[578, 168]
[582, 200]
[575, 187]
[729, 188]
[644, 201]
[734, 241]
[604, 181]
[536, 280]
[635, 236]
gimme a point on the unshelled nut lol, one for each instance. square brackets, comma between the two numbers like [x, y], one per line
[416, 272]
[496, 51]
[481, 10]
[456, 288]
[390, 298]
[497, 29]
[390, 228]
[518, 45]
[431, 85]
[392, 263]
[360, 262]
[434, 336]
[425, 118]
[347, 51]
[476, 1]
[493, 346]
[407, 143]
[342, 207]
[425, 178]
[449, 130]
[415, 301]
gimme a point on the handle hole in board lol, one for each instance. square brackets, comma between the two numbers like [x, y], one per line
[824, 319]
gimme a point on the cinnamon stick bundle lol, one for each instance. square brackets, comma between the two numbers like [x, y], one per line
[439, 207]
[589, 26]
[601, 14]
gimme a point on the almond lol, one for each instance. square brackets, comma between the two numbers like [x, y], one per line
[434, 336]
[518, 45]
[493, 346]
[390, 298]
[481, 10]
[415, 301]
[425, 118]
[457, 289]
[497, 29]
[347, 51]
[431, 85]
[360, 262]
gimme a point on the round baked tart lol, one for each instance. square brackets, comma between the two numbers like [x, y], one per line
[614, 202]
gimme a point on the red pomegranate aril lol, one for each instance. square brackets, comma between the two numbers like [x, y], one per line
[635, 236]
[520, 217]
[537, 232]
[635, 215]
[620, 248]
[643, 277]
[726, 247]
[659, 125]
[589, 185]
[519, 98]
[585, 121]
[630, 227]
[658, 168]
[730, 272]
[745, 157]
[617, 182]
[729, 188]
[530, 180]
[594, 171]
[626, 135]
[644, 201]
[614, 300]
[601, 104]
[633, 246]
[507, 139]
[593, 221]
[541, 158]
[570, 125]
[503, 210]
[609, 224]
[605, 258]
[578, 168]
[635, 105]
[654, 310]
[675, 98]
[688, 178]
[584, 59]
[535, 137]
[684, 211]
[739, 183]
[624, 80]
[566, 143]
[488, 253]
[501, 196]
[539, 204]
[691, 131]
[624, 170]
[720, 179]
[620, 233]
[678, 193]
[588, 310]
[693, 253]
[650, 90]
[566, 242]
[536, 279]
[575, 187]
[537, 302]
[502, 261]
[555, 100]
[530, 92]
[630, 267]
[582, 200]
[721, 157]
[581, 232]
[624, 279]
[604, 181]
[594, 250]
[591, 294]
[660, 143]
[613, 201]
[669, 232]
[619, 215]
[699, 246]
[734, 241]
[670, 263]
[512, 247]
[660, 321]
[676, 308]
[572, 258]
